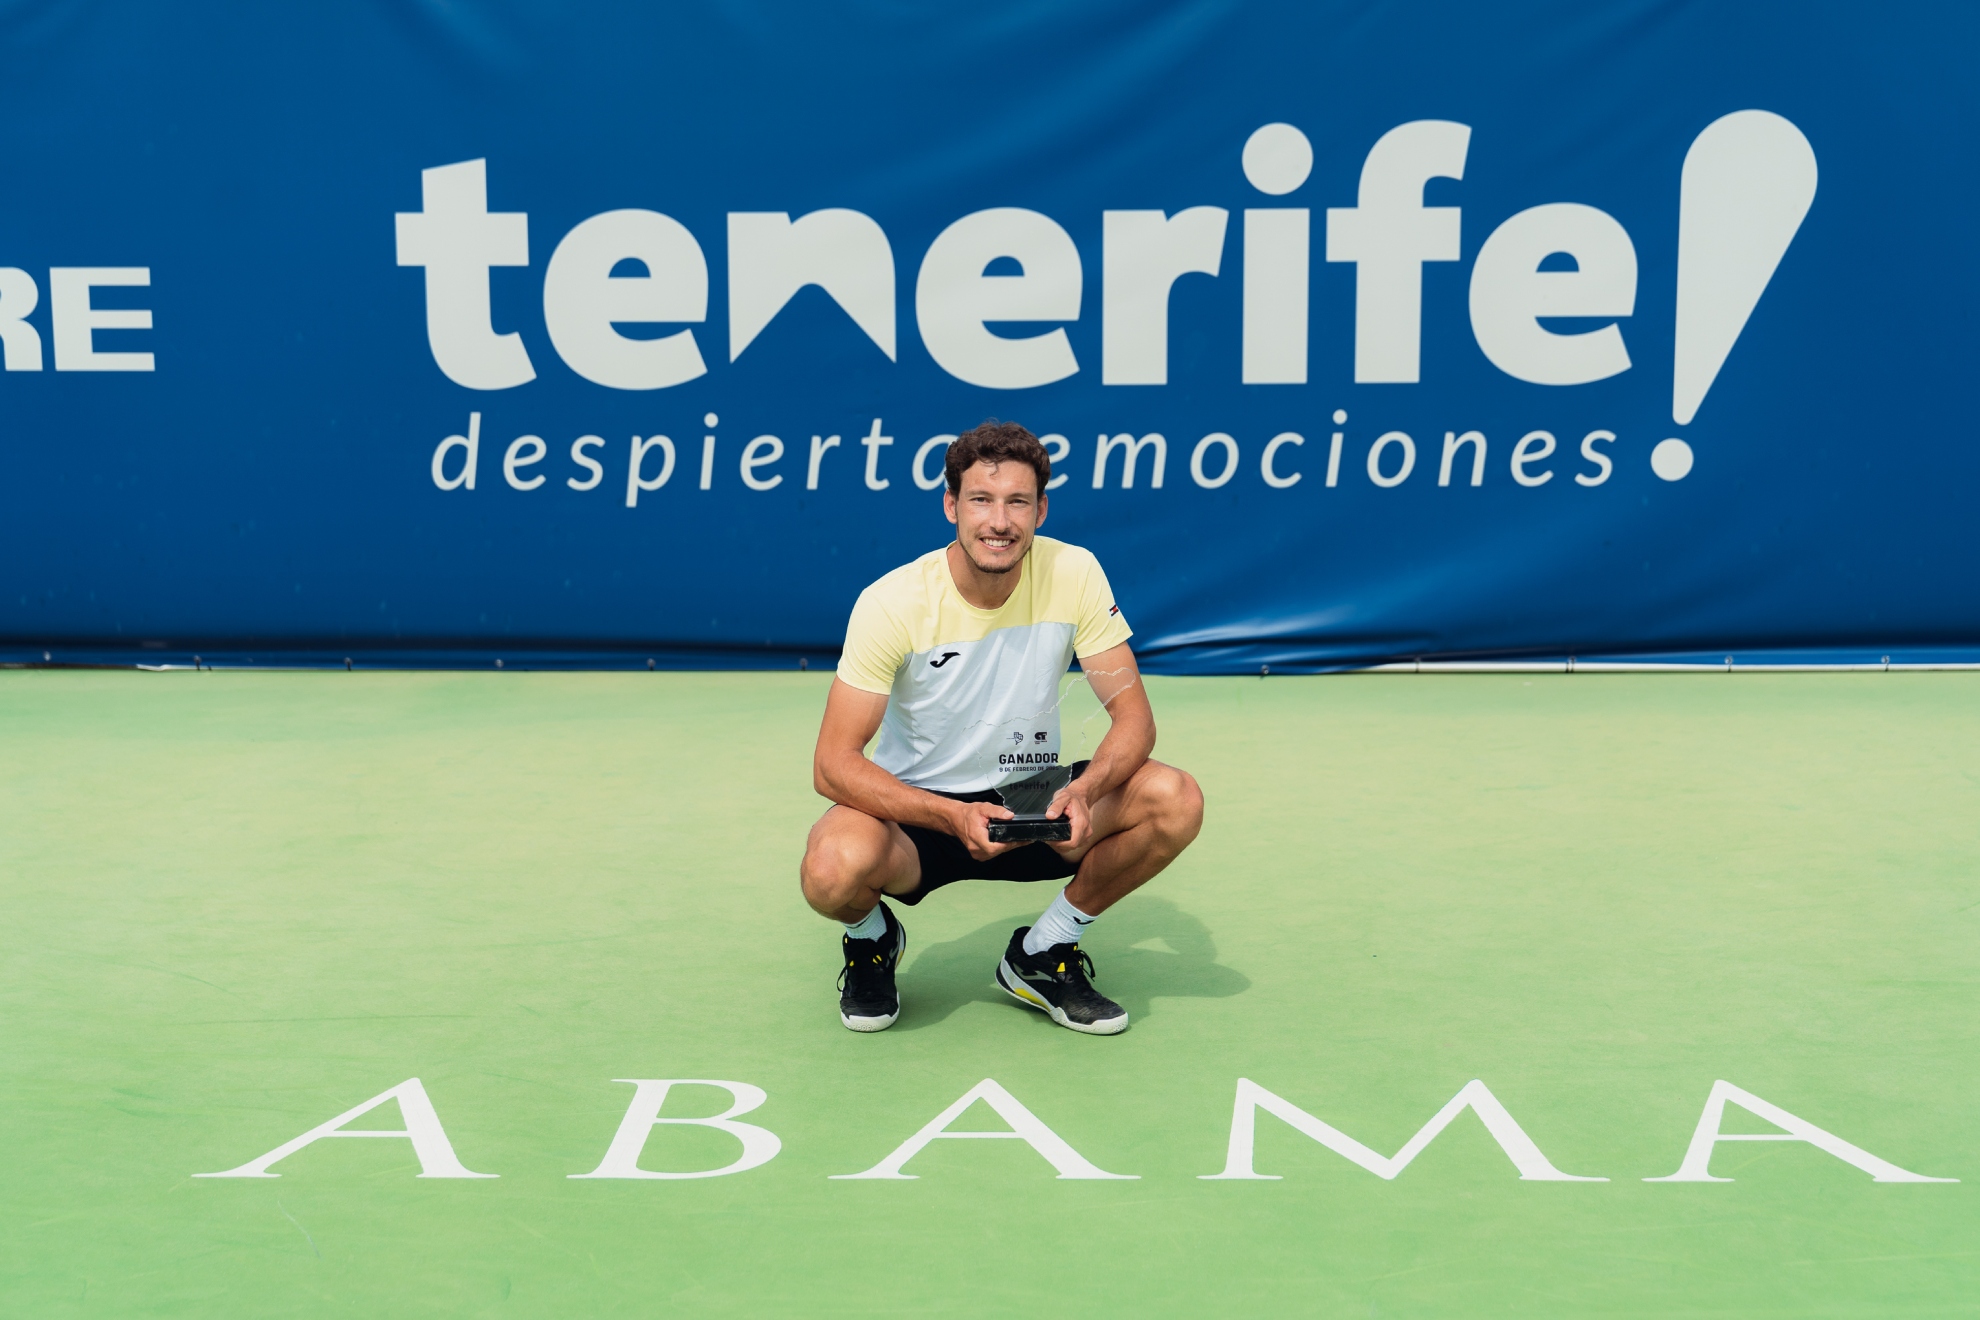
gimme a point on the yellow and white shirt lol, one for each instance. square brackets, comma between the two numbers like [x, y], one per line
[961, 681]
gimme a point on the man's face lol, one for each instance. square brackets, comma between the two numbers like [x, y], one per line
[996, 514]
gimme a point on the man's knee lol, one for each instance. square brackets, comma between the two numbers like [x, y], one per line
[841, 864]
[1174, 802]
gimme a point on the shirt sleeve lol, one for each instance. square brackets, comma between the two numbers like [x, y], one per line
[1101, 626]
[876, 646]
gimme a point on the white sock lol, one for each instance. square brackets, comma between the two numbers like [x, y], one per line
[869, 927]
[1062, 924]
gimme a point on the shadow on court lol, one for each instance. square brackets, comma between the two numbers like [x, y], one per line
[1148, 949]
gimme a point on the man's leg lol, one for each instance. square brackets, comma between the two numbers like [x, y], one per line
[850, 860]
[1137, 829]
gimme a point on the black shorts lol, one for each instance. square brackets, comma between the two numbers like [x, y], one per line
[944, 860]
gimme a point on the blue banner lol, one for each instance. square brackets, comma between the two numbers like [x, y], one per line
[608, 334]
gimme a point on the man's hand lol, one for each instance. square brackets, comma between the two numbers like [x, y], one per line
[970, 822]
[1070, 804]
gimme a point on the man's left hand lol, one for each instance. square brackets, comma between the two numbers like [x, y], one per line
[1070, 804]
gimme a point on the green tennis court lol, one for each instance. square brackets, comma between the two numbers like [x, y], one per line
[239, 904]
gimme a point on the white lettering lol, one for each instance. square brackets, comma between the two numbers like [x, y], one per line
[1144, 254]
[1277, 250]
[19, 295]
[1025, 1126]
[1272, 447]
[953, 298]
[1510, 294]
[1277, 160]
[924, 480]
[1375, 459]
[422, 1128]
[1131, 448]
[634, 483]
[843, 252]
[761, 452]
[1389, 234]
[582, 299]
[874, 442]
[1057, 450]
[75, 321]
[470, 445]
[759, 1145]
[1747, 184]
[1533, 447]
[1251, 1097]
[1594, 455]
[819, 444]
[1476, 439]
[457, 239]
[582, 459]
[1706, 1137]
[1230, 449]
[523, 451]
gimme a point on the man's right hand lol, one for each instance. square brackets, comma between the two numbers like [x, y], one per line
[972, 826]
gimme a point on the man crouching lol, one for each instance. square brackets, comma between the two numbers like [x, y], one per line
[940, 656]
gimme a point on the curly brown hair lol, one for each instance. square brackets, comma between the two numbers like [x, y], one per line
[996, 442]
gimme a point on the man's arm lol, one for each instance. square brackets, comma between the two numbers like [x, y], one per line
[841, 771]
[1116, 680]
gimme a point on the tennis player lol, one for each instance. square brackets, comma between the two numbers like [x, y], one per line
[941, 656]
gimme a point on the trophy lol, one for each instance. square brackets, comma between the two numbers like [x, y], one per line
[1032, 756]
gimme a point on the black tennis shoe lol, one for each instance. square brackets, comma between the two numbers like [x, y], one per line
[868, 1000]
[1055, 982]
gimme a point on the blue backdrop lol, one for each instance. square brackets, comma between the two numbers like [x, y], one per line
[346, 232]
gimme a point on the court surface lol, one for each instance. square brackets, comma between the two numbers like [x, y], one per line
[239, 904]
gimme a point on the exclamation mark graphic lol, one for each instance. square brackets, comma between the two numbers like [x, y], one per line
[1748, 182]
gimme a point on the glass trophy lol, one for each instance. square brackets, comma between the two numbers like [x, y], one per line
[1033, 756]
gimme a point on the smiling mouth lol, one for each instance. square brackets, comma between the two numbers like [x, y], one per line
[996, 543]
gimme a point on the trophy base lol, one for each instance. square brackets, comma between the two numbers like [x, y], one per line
[1030, 829]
